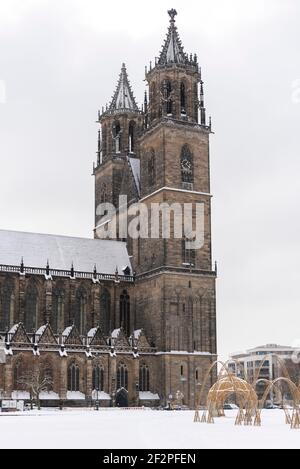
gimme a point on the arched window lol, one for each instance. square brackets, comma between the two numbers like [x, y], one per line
[103, 195]
[125, 312]
[105, 307]
[131, 137]
[168, 93]
[188, 253]
[122, 377]
[74, 378]
[31, 308]
[6, 305]
[80, 310]
[187, 166]
[183, 98]
[117, 136]
[144, 378]
[152, 168]
[58, 310]
[98, 378]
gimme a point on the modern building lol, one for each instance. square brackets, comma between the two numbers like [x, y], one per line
[268, 362]
[132, 321]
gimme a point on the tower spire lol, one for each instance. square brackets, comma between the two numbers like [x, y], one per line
[172, 51]
[123, 98]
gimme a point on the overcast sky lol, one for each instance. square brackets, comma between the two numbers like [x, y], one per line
[59, 63]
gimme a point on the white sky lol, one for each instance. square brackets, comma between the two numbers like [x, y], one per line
[59, 63]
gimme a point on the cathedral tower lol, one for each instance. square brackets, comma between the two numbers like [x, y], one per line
[120, 126]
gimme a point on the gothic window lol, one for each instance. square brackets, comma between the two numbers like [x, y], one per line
[6, 305]
[152, 168]
[80, 310]
[31, 308]
[183, 98]
[125, 312]
[144, 378]
[98, 378]
[131, 137]
[122, 377]
[58, 309]
[153, 101]
[103, 197]
[74, 378]
[187, 165]
[168, 98]
[117, 137]
[188, 255]
[105, 307]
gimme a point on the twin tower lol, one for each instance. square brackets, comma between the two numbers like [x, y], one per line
[160, 154]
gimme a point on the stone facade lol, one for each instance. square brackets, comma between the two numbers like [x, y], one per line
[141, 336]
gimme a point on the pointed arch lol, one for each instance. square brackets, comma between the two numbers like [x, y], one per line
[31, 308]
[74, 378]
[7, 301]
[80, 310]
[187, 165]
[122, 377]
[131, 135]
[57, 320]
[183, 98]
[98, 378]
[117, 133]
[144, 378]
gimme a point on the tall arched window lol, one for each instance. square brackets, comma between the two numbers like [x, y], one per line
[152, 168]
[98, 378]
[125, 312]
[187, 165]
[31, 308]
[80, 310]
[58, 310]
[117, 137]
[169, 103]
[144, 378]
[73, 378]
[105, 308]
[131, 137]
[183, 98]
[122, 377]
[6, 305]
[103, 195]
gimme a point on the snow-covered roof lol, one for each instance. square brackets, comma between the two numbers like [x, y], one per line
[62, 251]
[92, 332]
[135, 165]
[137, 334]
[149, 396]
[123, 98]
[115, 334]
[67, 331]
[41, 330]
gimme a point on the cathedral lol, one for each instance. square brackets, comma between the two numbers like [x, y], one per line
[129, 322]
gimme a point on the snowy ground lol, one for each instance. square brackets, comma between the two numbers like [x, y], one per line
[147, 429]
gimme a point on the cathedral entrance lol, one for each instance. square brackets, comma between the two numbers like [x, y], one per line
[122, 398]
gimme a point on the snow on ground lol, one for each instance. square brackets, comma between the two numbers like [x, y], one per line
[130, 429]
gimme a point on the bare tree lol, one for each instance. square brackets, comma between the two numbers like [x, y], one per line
[35, 382]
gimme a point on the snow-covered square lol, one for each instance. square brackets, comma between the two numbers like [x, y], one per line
[140, 429]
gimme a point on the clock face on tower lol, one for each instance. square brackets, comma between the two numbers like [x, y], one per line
[186, 165]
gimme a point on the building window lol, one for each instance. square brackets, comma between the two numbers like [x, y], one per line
[181, 371]
[31, 306]
[188, 255]
[197, 375]
[125, 312]
[105, 306]
[98, 378]
[6, 306]
[122, 377]
[187, 168]
[168, 97]
[80, 310]
[131, 137]
[104, 140]
[183, 98]
[144, 378]
[152, 168]
[58, 311]
[117, 137]
[74, 378]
